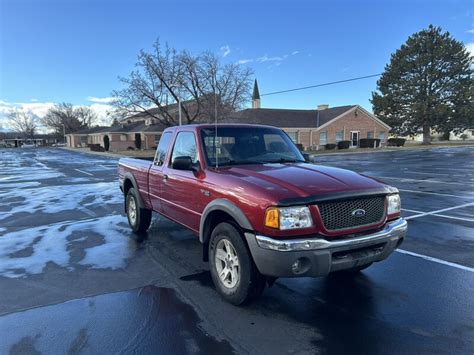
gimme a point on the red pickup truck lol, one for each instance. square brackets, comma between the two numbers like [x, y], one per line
[259, 210]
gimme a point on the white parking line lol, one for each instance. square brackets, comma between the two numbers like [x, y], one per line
[439, 211]
[107, 167]
[455, 169]
[439, 261]
[424, 173]
[436, 194]
[454, 217]
[84, 172]
[415, 180]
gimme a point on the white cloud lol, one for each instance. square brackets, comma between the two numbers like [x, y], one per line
[470, 31]
[244, 61]
[266, 58]
[101, 100]
[225, 50]
[277, 60]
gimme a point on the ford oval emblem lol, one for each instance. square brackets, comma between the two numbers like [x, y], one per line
[358, 212]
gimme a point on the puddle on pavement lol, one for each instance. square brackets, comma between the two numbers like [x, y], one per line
[146, 320]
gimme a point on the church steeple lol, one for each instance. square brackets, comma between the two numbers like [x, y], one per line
[255, 96]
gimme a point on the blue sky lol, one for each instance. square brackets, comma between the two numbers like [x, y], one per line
[72, 51]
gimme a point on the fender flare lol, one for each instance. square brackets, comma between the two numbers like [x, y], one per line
[129, 176]
[228, 207]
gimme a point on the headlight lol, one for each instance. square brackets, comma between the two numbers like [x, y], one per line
[393, 202]
[288, 218]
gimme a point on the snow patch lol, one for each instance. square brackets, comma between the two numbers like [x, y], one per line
[50, 244]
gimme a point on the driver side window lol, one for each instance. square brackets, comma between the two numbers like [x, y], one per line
[185, 145]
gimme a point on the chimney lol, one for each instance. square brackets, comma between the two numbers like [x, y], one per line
[255, 96]
[323, 107]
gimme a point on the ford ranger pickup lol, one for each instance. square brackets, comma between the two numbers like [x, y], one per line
[259, 209]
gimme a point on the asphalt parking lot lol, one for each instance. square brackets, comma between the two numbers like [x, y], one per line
[73, 278]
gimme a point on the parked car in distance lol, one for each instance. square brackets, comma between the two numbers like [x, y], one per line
[259, 210]
[27, 145]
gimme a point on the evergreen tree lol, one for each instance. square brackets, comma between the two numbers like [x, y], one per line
[427, 85]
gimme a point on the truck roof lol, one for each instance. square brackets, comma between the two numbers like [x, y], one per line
[212, 125]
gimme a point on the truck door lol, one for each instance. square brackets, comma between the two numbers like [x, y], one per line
[181, 188]
[155, 176]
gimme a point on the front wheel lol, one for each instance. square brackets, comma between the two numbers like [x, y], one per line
[139, 219]
[233, 271]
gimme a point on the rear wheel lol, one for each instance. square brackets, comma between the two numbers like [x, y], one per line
[139, 219]
[233, 271]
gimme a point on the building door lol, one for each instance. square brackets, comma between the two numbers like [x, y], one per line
[354, 138]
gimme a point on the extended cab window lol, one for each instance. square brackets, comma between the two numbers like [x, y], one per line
[185, 146]
[162, 148]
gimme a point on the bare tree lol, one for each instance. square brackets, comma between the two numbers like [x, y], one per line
[206, 88]
[66, 118]
[23, 122]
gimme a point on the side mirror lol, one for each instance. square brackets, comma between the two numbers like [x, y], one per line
[184, 163]
[307, 157]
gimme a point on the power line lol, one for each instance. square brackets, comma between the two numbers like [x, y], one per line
[323, 84]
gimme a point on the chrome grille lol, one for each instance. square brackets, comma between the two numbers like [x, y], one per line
[338, 215]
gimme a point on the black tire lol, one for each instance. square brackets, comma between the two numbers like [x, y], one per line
[251, 283]
[354, 270]
[141, 219]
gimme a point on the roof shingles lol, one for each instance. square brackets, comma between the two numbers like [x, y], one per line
[287, 118]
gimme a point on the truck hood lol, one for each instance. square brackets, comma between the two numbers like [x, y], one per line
[288, 181]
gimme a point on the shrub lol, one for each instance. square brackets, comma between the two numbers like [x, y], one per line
[396, 142]
[300, 147]
[330, 146]
[96, 148]
[138, 140]
[369, 143]
[464, 136]
[130, 148]
[106, 143]
[343, 144]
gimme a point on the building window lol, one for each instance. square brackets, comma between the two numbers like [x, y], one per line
[293, 136]
[382, 137]
[339, 136]
[370, 135]
[123, 137]
[323, 138]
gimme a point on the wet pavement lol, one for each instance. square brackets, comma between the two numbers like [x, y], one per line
[74, 279]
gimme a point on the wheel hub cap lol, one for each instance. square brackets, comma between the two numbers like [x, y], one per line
[227, 263]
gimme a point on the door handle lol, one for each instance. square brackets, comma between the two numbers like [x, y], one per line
[165, 178]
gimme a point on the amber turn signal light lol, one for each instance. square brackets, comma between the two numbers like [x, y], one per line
[272, 218]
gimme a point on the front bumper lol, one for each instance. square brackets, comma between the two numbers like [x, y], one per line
[318, 257]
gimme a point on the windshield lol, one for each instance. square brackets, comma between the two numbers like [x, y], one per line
[248, 145]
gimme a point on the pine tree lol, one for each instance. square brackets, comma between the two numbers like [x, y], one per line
[427, 86]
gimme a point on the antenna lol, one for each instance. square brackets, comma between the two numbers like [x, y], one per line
[215, 121]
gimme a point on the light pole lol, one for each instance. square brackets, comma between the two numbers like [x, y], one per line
[179, 100]
[64, 133]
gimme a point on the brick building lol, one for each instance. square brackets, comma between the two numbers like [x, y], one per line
[316, 128]
[120, 137]
[313, 129]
